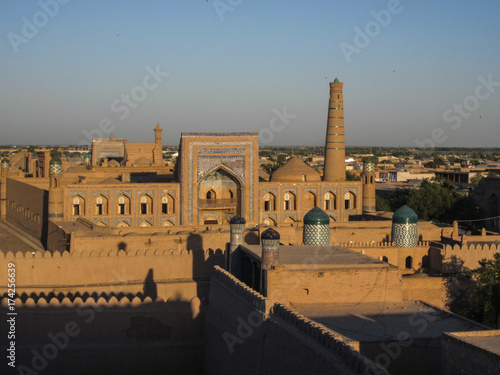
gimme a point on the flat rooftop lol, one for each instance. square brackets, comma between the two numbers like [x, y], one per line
[487, 340]
[386, 321]
[330, 257]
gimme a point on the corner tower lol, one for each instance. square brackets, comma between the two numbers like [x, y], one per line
[335, 141]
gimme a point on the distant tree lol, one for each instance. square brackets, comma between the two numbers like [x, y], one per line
[32, 150]
[382, 204]
[474, 181]
[351, 176]
[281, 159]
[436, 201]
[479, 297]
[451, 159]
[475, 162]
[55, 152]
[493, 175]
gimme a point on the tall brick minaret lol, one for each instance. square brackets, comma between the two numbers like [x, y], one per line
[157, 150]
[335, 141]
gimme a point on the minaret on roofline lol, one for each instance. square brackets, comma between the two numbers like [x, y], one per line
[335, 141]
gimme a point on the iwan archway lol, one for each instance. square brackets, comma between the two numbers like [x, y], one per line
[219, 196]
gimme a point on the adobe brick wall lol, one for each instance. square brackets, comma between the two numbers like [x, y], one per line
[177, 273]
[126, 337]
[425, 288]
[27, 207]
[321, 286]
[462, 358]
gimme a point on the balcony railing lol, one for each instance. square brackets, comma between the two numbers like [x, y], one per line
[213, 203]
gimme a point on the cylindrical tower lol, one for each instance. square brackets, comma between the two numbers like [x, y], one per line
[56, 198]
[335, 140]
[237, 227]
[270, 240]
[405, 227]
[4, 173]
[368, 177]
[157, 151]
[316, 228]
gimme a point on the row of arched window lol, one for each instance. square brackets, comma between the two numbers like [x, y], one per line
[309, 201]
[122, 206]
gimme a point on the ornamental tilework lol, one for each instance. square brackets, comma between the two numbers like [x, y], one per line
[208, 163]
[127, 220]
[103, 220]
[317, 235]
[104, 193]
[405, 235]
[55, 168]
[127, 193]
[221, 150]
[74, 193]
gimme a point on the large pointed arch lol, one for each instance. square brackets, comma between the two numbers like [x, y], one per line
[220, 192]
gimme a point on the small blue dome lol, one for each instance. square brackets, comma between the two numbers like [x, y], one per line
[237, 219]
[336, 79]
[270, 234]
[404, 215]
[86, 156]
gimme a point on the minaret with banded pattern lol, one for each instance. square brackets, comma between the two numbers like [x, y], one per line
[335, 141]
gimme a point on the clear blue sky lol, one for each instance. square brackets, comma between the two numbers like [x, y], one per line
[234, 71]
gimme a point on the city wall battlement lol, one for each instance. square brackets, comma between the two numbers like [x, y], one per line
[171, 272]
[241, 289]
[110, 253]
[379, 244]
[47, 302]
[495, 247]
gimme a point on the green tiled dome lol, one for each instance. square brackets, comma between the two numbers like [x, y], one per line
[336, 79]
[86, 156]
[404, 215]
[55, 160]
[316, 216]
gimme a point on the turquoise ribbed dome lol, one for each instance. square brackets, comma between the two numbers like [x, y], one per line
[404, 215]
[336, 79]
[316, 216]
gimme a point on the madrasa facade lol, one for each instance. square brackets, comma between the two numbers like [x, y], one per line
[216, 176]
